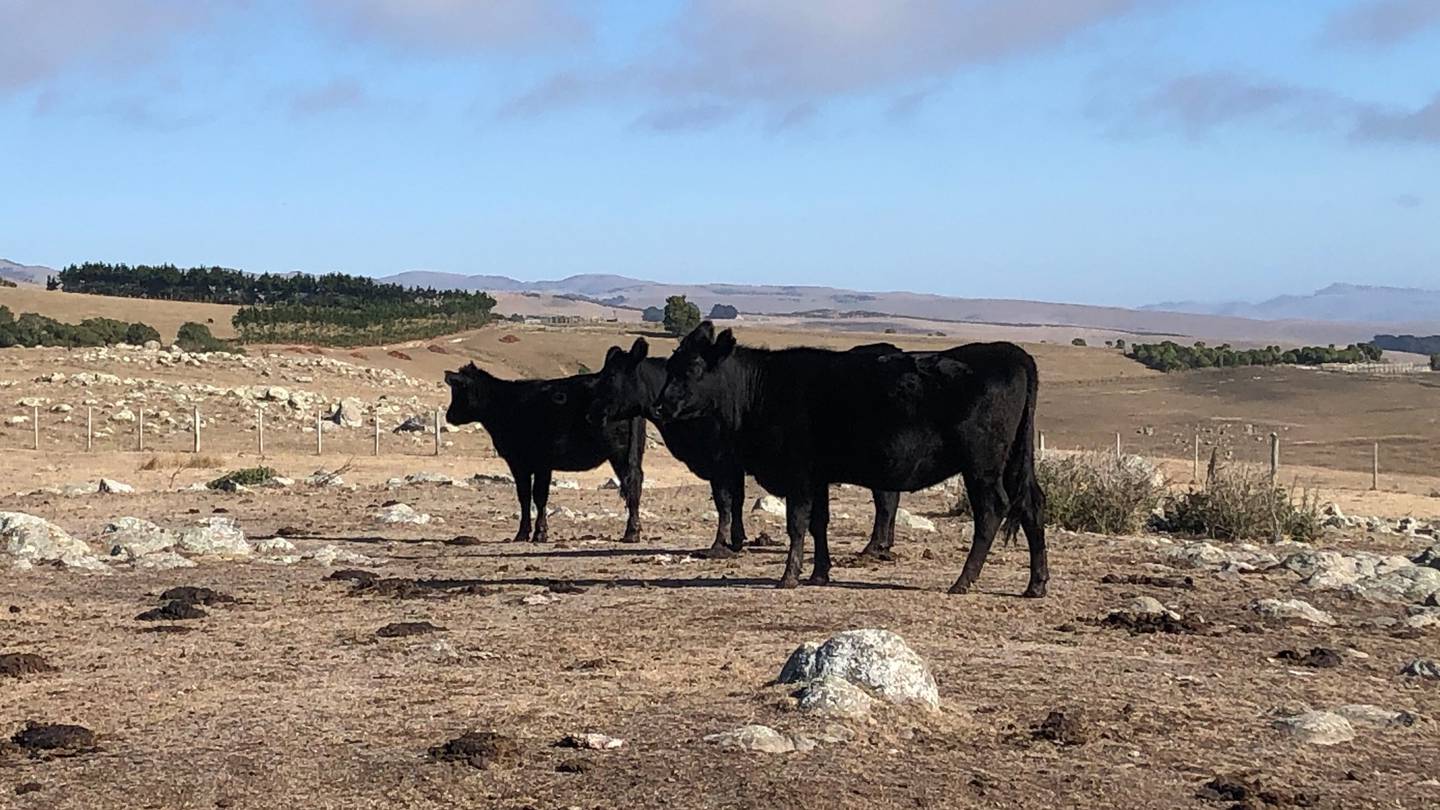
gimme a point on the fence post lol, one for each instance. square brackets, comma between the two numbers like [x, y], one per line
[140, 430]
[1042, 444]
[1375, 469]
[1274, 456]
[1195, 469]
[195, 423]
[260, 431]
[35, 423]
[1117, 446]
[89, 428]
[319, 436]
[437, 431]
[376, 450]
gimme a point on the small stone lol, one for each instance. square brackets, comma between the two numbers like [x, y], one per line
[1291, 609]
[770, 505]
[591, 742]
[759, 739]
[1318, 728]
[1422, 668]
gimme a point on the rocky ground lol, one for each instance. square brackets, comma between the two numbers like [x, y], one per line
[381, 645]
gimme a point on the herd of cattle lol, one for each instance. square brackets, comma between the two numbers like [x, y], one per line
[798, 420]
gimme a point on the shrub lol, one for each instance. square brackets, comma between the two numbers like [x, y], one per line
[1171, 356]
[1078, 342]
[1435, 362]
[681, 316]
[5, 282]
[1242, 503]
[31, 329]
[138, 334]
[723, 312]
[1094, 492]
[196, 337]
[1120, 344]
[248, 477]
[653, 315]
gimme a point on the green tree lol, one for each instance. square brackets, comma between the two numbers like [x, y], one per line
[1078, 342]
[681, 316]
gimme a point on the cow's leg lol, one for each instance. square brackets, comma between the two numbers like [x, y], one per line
[522, 491]
[882, 534]
[1032, 520]
[542, 497]
[725, 508]
[632, 483]
[797, 520]
[990, 505]
[819, 525]
[737, 510]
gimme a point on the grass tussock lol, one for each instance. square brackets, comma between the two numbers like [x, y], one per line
[247, 477]
[1241, 502]
[1094, 492]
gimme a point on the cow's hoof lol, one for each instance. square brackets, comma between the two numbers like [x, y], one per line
[788, 583]
[818, 579]
[521, 538]
[631, 538]
[959, 588]
[877, 554]
[719, 553]
[1034, 591]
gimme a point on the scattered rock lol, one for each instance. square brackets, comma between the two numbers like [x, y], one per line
[1249, 794]
[216, 536]
[760, 739]
[355, 575]
[350, 413]
[109, 486]
[1317, 658]
[401, 629]
[132, 537]
[13, 665]
[1317, 728]
[331, 554]
[479, 749]
[1364, 714]
[770, 505]
[591, 742]
[1146, 614]
[1422, 668]
[1291, 610]
[193, 595]
[1063, 728]
[905, 519]
[836, 698]
[401, 513]
[877, 660]
[29, 539]
[275, 546]
[464, 540]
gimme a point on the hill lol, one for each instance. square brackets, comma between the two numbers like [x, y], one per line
[24, 273]
[1343, 303]
[839, 306]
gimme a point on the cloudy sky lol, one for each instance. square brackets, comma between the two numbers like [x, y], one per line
[1100, 151]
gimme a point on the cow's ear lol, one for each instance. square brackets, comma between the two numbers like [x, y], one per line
[639, 351]
[613, 356]
[724, 346]
[702, 335]
[453, 378]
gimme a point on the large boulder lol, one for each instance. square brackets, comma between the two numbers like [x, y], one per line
[350, 413]
[1318, 728]
[833, 697]
[216, 536]
[132, 537]
[26, 539]
[877, 660]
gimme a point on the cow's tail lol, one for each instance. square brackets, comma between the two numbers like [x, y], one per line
[1027, 500]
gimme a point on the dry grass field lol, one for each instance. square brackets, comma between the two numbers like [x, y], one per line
[288, 696]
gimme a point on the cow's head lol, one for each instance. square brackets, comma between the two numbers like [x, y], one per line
[620, 393]
[693, 385]
[467, 394]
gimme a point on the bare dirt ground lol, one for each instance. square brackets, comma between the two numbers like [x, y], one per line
[289, 698]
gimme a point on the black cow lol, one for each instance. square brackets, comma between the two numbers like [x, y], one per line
[631, 383]
[540, 426]
[805, 418]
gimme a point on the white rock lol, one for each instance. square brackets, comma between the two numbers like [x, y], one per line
[132, 537]
[835, 697]
[1318, 728]
[217, 536]
[770, 505]
[878, 660]
[350, 412]
[401, 513]
[331, 554]
[595, 742]
[1364, 714]
[274, 546]
[17, 421]
[29, 539]
[110, 486]
[494, 478]
[61, 408]
[564, 483]
[904, 519]
[760, 739]
[122, 415]
[1288, 609]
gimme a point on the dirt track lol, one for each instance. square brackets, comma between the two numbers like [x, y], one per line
[288, 698]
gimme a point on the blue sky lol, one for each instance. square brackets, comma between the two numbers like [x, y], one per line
[1096, 151]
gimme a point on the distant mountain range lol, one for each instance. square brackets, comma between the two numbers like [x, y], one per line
[1338, 313]
[24, 273]
[1338, 302]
